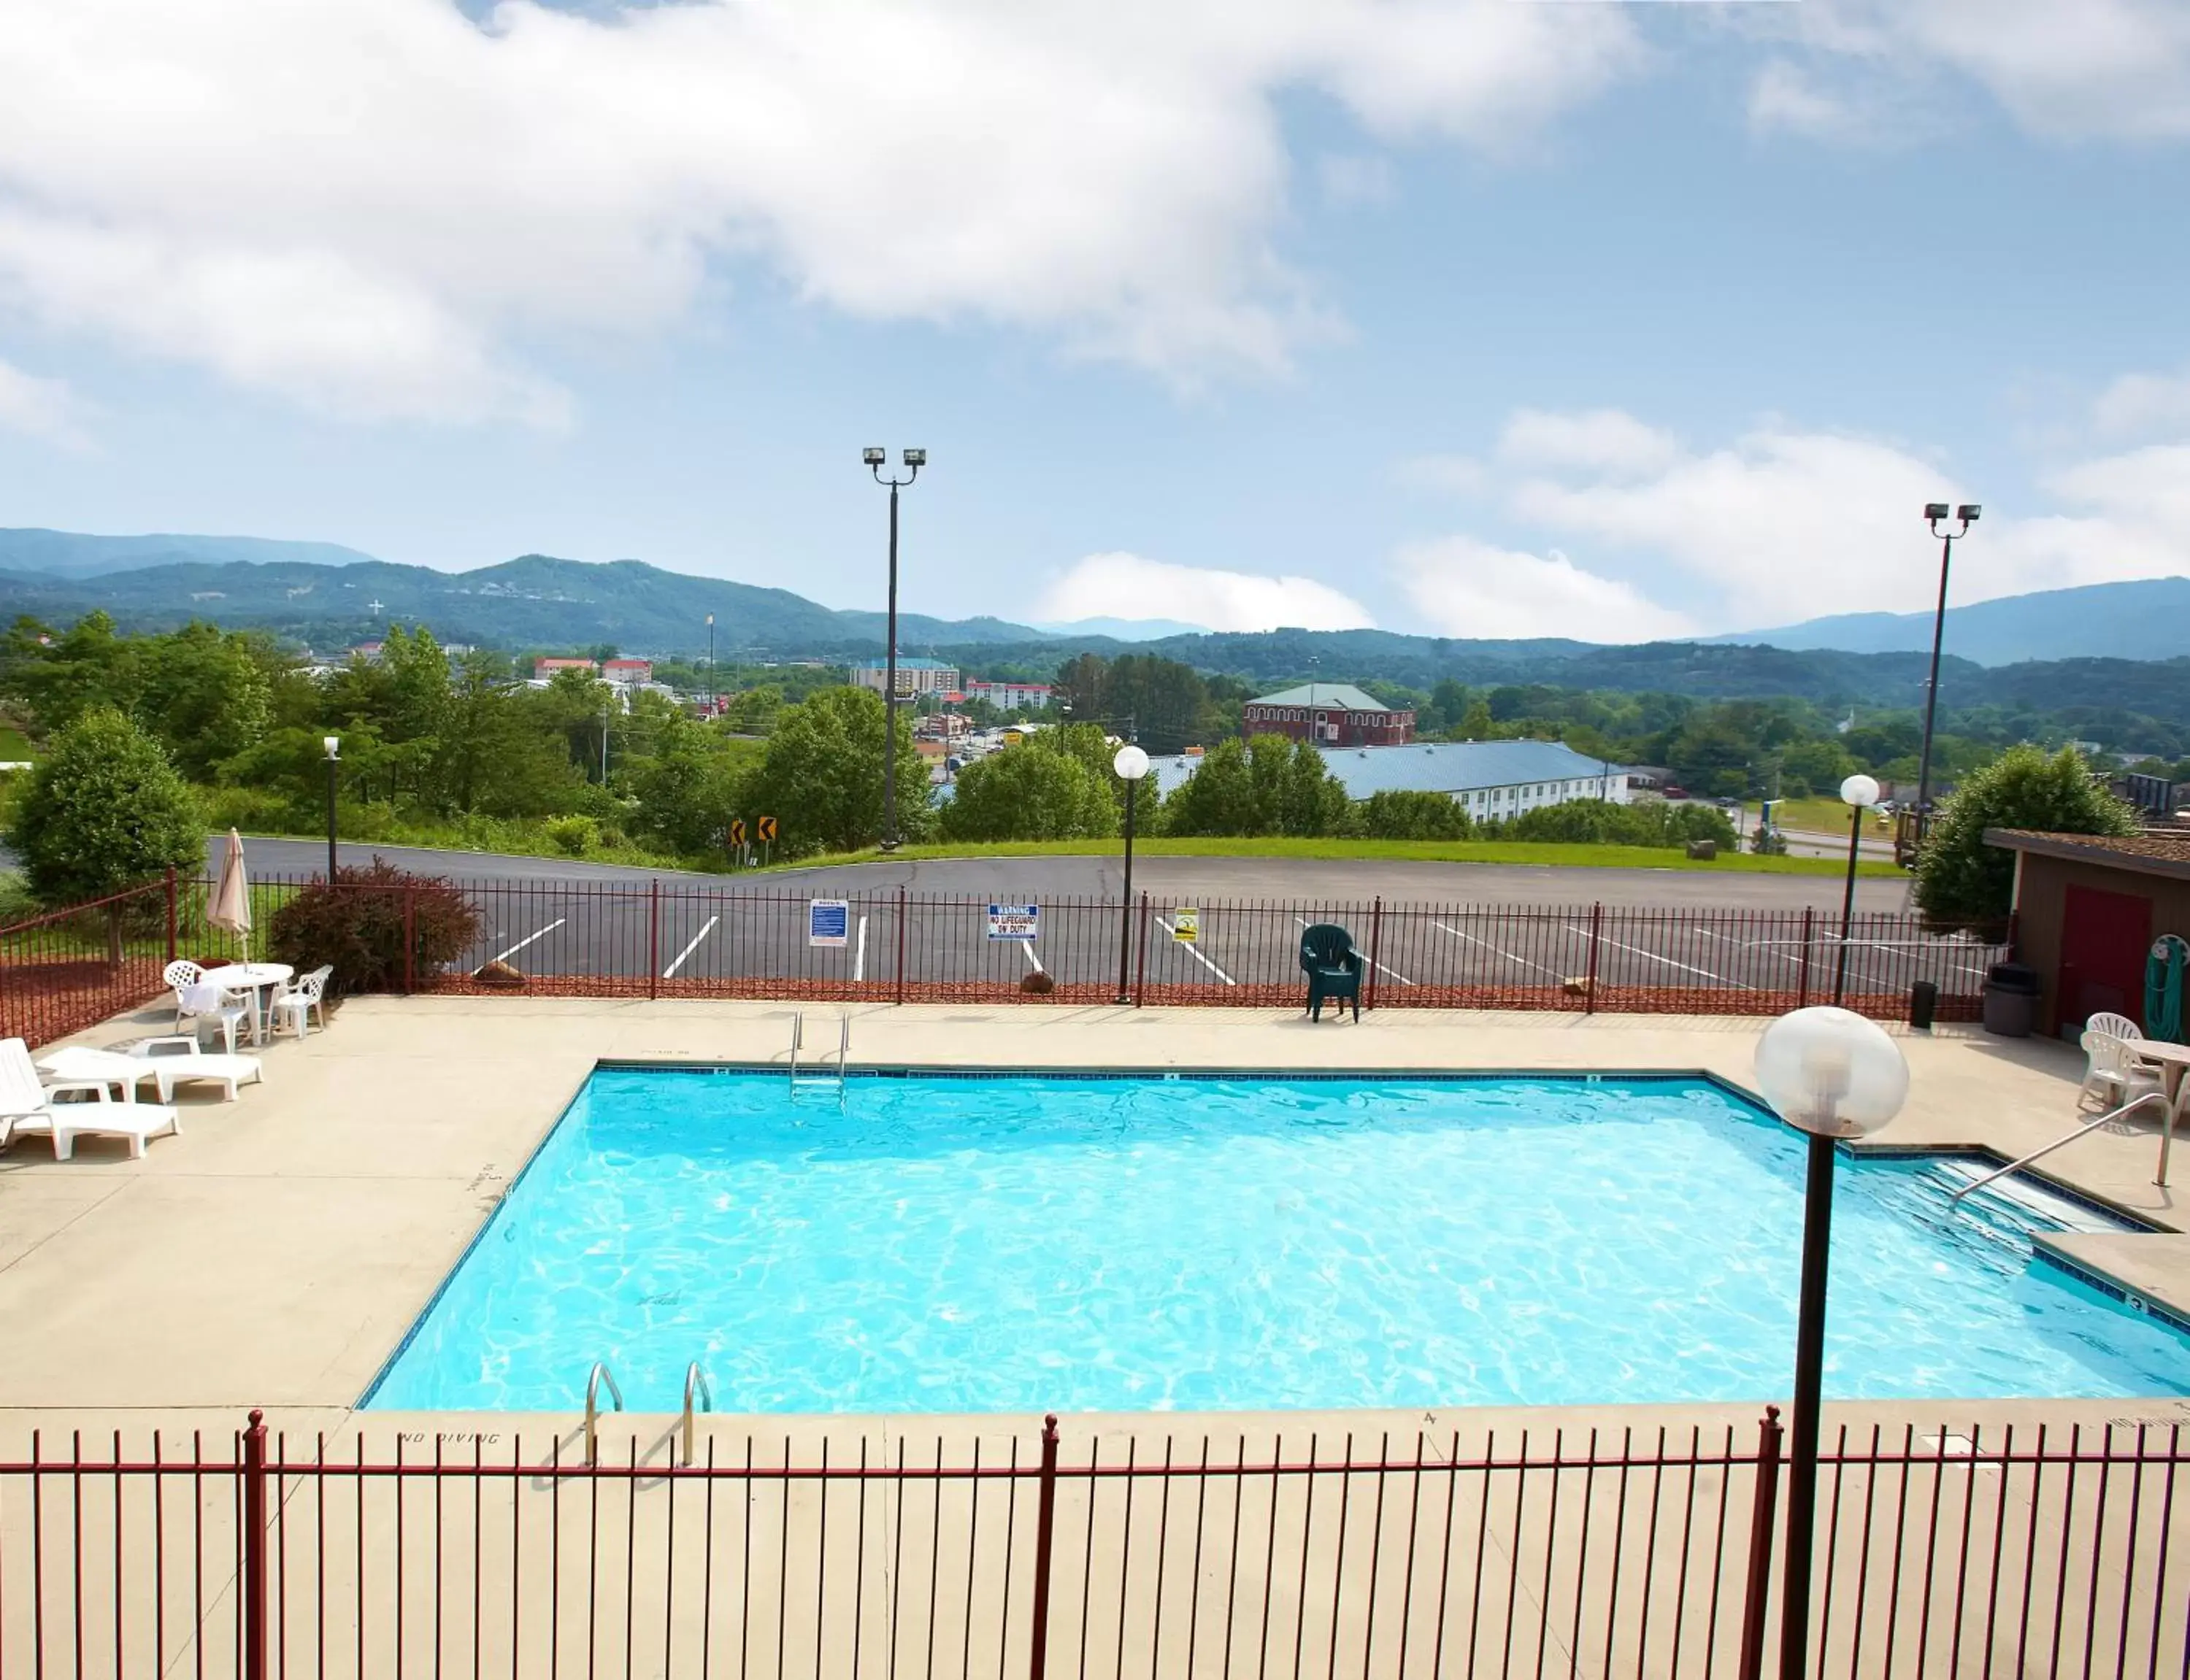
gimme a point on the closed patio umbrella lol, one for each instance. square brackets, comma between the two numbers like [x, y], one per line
[231, 899]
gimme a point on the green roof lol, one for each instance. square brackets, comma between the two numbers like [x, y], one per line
[1336, 696]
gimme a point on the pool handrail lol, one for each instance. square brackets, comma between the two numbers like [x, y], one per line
[695, 1384]
[599, 1374]
[2084, 1129]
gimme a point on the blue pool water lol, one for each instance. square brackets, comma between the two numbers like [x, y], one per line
[1018, 1243]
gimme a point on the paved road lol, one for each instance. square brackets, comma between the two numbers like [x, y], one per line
[1441, 924]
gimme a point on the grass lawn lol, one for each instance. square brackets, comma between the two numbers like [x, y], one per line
[14, 746]
[1826, 816]
[1540, 853]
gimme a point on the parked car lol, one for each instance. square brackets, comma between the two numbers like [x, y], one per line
[1675, 790]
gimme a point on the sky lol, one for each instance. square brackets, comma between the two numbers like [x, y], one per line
[1472, 318]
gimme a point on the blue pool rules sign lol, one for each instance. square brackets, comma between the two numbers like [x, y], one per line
[828, 921]
[1014, 921]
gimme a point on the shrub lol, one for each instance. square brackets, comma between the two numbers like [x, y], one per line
[1594, 821]
[572, 836]
[357, 925]
[104, 810]
[1411, 814]
[1961, 881]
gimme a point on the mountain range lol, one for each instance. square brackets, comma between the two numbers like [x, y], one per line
[2103, 648]
[2142, 620]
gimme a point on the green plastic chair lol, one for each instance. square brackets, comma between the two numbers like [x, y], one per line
[1334, 968]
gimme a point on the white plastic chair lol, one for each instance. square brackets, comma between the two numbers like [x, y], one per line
[179, 974]
[2112, 1074]
[296, 1001]
[206, 999]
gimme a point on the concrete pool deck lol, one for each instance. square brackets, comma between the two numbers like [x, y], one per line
[276, 1251]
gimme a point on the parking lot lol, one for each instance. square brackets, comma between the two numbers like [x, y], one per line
[1431, 933]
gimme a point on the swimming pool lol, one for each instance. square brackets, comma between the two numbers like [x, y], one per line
[1016, 1243]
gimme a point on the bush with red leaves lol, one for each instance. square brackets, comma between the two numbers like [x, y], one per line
[357, 925]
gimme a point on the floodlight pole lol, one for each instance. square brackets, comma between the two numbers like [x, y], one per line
[1934, 513]
[914, 460]
[1847, 902]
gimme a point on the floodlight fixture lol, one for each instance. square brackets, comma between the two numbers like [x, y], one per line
[1932, 510]
[876, 457]
[1967, 512]
[916, 458]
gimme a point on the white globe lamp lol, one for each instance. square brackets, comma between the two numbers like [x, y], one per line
[1131, 763]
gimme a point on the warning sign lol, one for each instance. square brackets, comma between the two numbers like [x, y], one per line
[1186, 924]
[1014, 921]
[828, 921]
[737, 831]
[765, 828]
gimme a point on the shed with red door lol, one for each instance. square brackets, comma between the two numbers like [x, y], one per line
[2087, 910]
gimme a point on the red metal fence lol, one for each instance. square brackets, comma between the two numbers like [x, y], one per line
[1305, 1553]
[619, 938]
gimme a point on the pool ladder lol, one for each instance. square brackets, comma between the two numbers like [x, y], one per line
[699, 1397]
[824, 1081]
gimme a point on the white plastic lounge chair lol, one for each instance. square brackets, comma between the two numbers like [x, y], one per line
[296, 1001]
[172, 1061]
[27, 1106]
[206, 999]
[180, 974]
[2112, 1074]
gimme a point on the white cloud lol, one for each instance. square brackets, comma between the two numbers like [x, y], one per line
[2067, 69]
[1603, 439]
[1119, 585]
[2141, 403]
[368, 205]
[1463, 587]
[1783, 524]
[41, 408]
[1356, 178]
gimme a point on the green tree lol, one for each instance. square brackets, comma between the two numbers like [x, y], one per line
[1217, 799]
[1410, 814]
[204, 695]
[822, 775]
[104, 810]
[1959, 879]
[1029, 792]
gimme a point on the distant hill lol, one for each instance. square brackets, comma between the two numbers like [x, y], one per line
[1124, 629]
[536, 601]
[2143, 620]
[70, 554]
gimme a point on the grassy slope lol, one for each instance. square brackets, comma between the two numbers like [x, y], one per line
[1420, 852]
[1825, 815]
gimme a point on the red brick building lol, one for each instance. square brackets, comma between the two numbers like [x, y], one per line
[1328, 714]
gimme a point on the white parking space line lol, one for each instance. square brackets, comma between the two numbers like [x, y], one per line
[1765, 946]
[671, 971]
[504, 956]
[1033, 961]
[1393, 972]
[1509, 956]
[1686, 968]
[860, 955]
[1193, 954]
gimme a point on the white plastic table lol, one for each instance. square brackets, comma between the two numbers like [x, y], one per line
[254, 978]
[2173, 1062]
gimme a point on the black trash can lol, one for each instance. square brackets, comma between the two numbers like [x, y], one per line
[2011, 1000]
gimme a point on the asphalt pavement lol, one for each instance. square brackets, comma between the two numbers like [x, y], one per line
[1487, 928]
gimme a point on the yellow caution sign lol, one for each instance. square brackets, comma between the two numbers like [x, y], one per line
[737, 831]
[765, 828]
[1186, 924]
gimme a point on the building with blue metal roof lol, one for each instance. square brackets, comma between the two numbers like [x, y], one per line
[1488, 778]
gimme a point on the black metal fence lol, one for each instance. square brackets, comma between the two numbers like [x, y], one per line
[1306, 1552]
[657, 939]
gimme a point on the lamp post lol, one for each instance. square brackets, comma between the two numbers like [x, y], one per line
[914, 460]
[1861, 793]
[1934, 511]
[714, 693]
[1829, 1074]
[334, 744]
[1132, 764]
